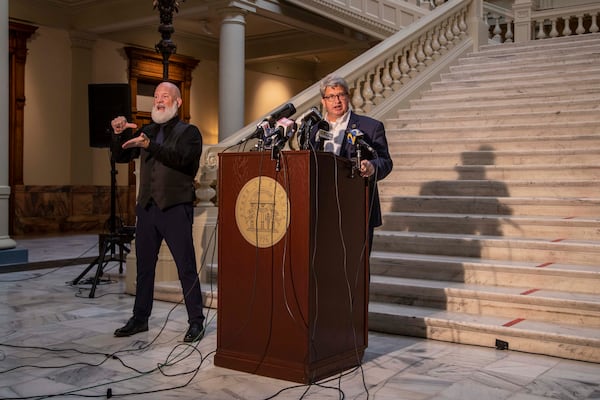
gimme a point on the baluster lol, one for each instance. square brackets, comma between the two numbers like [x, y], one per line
[420, 55]
[567, 30]
[594, 27]
[541, 34]
[497, 31]
[435, 44]
[442, 39]
[462, 24]
[580, 29]
[404, 67]
[357, 100]
[386, 78]
[508, 36]
[553, 31]
[448, 33]
[455, 28]
[205, 192]
[396, 73]
[412, 60]
[367, 94]
[377, 85]
[427, 48]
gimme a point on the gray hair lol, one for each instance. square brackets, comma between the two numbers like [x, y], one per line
[332, 80]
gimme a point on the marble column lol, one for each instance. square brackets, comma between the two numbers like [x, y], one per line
[5, 241]
[231, 71]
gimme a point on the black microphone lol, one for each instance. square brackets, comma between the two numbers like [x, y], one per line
[311, 117]
[356, 136]
[259, 132]
[322, 135]
[285, 111]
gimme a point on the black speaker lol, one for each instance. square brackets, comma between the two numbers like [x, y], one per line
[106, 101]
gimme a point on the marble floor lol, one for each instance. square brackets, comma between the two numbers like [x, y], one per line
[57, 342]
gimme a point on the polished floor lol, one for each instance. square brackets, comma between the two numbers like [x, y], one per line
[57, 342]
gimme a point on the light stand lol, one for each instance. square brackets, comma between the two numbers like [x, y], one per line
[108, 243]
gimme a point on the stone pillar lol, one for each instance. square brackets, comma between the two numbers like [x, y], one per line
[522, 11]
[231, 71]
[5, 241]
[477, 26]
[81, 76]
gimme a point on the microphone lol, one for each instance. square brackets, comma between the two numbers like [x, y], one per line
[355, 136]
[261, 129]
[311, 116]
[284, 129]
[285, 111]
[307, 121]
[322, 135]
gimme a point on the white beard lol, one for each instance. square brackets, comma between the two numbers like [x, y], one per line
[162, 116]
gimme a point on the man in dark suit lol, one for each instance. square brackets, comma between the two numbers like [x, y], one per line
[170, 152]
[336, 105]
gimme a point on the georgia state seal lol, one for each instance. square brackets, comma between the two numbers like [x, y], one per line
[262, 211]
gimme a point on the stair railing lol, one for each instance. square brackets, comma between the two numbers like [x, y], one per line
[378, 77]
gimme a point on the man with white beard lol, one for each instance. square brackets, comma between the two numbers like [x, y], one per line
[170, 152]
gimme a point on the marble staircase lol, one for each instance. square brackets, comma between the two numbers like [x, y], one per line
[491, 230]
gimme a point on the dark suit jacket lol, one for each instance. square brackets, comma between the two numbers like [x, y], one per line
[167, 170]
[374, 135]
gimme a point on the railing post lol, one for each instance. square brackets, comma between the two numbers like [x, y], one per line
[522, 11]
[477, 26]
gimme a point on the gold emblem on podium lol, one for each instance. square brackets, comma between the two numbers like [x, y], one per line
[262, 211]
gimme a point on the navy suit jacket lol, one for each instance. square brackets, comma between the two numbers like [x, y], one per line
[374, 135]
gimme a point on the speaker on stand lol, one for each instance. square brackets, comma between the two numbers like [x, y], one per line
[107, 101]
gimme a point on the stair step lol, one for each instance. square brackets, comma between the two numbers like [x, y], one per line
[566, 51]
[563, 42]
[482, 94]
[499, 172]
[550, 97]
[490, 188]
[548, 227]
[559, 250]
[462, 79]
[564, 207]
[559, 340]
[545, 62]
[518, 274]
[488, 142]
[497, 301]
[591, 116]
[505, 158]
[486, 110]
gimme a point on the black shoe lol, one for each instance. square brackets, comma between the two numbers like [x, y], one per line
[194, 333]
[132, 327]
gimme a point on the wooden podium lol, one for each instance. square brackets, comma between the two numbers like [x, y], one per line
[293, 265]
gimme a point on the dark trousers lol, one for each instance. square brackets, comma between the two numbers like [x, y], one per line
[174, 225]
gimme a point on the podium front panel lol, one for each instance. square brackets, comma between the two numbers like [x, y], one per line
[293, 270]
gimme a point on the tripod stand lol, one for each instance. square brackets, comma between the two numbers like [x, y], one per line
[109, 242]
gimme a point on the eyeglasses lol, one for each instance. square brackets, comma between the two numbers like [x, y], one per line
[333, 97]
